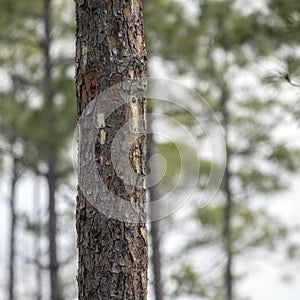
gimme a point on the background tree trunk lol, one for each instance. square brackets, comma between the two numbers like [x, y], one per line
[110, 50]
[37, 239]
[228, 200]
[51, 160]
[155, 225]
[13, 217]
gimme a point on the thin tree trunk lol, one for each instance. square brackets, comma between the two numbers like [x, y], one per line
[228, 202]
[13, 217]
[52, 160]
[228, 237]
[53, 265]
[37, 239]
[156, 257]
[155, 225]
[110, 50]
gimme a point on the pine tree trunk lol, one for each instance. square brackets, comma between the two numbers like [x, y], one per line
[51, 155]
[53, 264]
[14, 180]
[228, 237]
[156, 258]
[228, 202]
[110, 50]
[155, 224]
[37, 240]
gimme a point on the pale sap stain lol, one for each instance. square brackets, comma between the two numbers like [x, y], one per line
[135, 124]
[101, 120]
[135, 114]
[132, 6]
[101, 124]
[136, 161]
[84, 54]
[102, 136]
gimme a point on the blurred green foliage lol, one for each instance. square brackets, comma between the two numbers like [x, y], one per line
[25, 129]
[225, 39]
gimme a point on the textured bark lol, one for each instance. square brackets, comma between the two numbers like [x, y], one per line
[110, 50]
[51, 155]
[155, 225]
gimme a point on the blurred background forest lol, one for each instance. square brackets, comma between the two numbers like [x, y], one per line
[243, 57]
